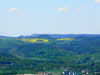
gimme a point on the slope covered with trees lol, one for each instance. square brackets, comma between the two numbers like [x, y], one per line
[77, 52]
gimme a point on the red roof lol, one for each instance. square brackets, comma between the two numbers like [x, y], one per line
[85, 70]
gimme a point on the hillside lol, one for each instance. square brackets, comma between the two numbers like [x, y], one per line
[76, 50]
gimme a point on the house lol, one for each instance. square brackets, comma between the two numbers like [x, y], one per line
[66, 72]
[85, 71]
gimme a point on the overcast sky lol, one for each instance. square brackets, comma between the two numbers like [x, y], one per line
[25, 17]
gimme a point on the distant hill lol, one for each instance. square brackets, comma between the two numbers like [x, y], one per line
[62, 49]
[57, 35]
[2, 36]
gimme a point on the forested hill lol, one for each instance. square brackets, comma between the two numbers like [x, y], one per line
[59, 50]
[57, 35]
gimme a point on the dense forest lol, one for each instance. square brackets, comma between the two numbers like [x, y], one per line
[45, 52]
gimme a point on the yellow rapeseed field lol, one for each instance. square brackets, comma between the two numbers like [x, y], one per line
[66, 39]
[34, 40]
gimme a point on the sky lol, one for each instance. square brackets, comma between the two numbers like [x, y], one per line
[26, 17]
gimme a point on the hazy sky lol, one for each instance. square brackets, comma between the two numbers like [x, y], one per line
[25, 17]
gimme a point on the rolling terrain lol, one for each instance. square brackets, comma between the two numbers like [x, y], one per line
[41, 52]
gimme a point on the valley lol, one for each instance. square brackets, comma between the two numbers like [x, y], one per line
[50, 52]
